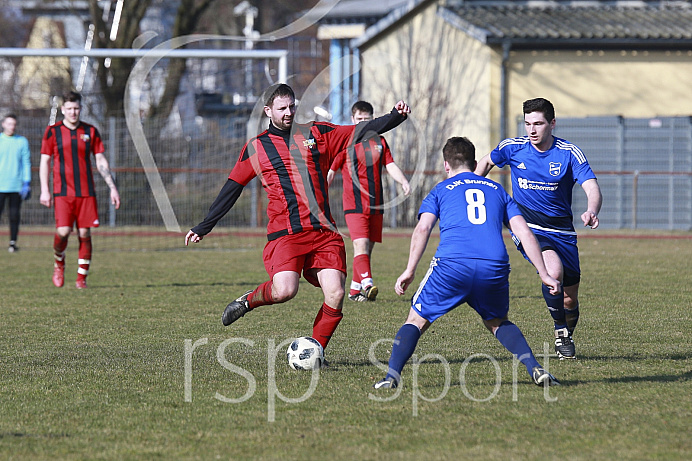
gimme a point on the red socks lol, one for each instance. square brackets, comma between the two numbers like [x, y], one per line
[361, 268]
[84, 257]
[59, 245]
[262, 296]
[361, 271]
[325, 324]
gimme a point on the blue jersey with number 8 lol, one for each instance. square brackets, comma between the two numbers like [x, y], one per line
[472, 211]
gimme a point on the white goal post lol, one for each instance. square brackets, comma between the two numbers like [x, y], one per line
[280, 55]
[156, 53]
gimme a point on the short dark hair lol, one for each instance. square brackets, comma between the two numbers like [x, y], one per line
[362, 106]
[10, 115]
[540, 105]
[278, 91]
[72, 96]
[459, 151]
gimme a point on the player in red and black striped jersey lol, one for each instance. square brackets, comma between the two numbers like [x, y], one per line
[361, 168]
[292, 161]
[67, 148]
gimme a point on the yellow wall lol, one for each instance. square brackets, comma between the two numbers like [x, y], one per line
[37, 73]
[453, 81]
[634, 84]
[443, 74]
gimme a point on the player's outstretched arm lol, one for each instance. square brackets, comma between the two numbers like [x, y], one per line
[419, 241]
[484, 166]
[518, 226]
[594, 200]
[191, 237]
[402, 108]
[222, 204]
[384, 123]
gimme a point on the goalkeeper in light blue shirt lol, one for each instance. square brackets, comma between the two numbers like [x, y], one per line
[15, 174]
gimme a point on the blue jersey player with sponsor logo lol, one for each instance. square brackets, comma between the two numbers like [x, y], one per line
[470, 265]
[544, 170]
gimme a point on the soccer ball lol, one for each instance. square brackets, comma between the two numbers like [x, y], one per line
[305, 353]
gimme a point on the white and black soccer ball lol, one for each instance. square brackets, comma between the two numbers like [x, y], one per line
[305, 353]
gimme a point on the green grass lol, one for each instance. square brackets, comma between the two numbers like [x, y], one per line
[100, 373]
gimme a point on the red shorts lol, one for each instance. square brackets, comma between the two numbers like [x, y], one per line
[364, 226]
[81, 210]
[303, 251]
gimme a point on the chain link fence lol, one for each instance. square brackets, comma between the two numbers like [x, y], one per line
[644, 167]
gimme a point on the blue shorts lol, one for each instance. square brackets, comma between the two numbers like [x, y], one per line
[565, 245]
[484, 285]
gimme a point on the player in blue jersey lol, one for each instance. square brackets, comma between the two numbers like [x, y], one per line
[544, 170]
[471, 264]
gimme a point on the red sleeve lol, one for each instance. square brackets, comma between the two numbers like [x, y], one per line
[386, 152]
[244, 171]
[334, 140]
[97, 143]
[48, 142]
[338, 161]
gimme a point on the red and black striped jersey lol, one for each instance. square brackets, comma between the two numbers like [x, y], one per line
[71, 152]
[293, 170]
[293, 167]
[361, 168]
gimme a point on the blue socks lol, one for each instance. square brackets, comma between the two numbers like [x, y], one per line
[402, 349]
[512, 338]
[509, 335]
[556, 307]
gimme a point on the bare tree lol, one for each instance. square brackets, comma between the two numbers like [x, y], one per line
[113, 79]
[186, 20]
[14, 31]
[416, 66]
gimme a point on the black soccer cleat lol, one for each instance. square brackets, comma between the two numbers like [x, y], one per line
[543, 378]
[236, 309]
[358, 298]
[371, 293]
[564, 346]
[387, 383]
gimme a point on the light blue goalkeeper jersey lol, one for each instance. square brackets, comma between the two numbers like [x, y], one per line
[542, 182]
[472, 211]
[15, 163]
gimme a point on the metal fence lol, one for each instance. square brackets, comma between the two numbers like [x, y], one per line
[644, 168]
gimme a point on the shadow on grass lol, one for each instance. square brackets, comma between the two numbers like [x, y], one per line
[21, 434]
[684, 376]
[635, 358]
[242, 286]
[210, 284]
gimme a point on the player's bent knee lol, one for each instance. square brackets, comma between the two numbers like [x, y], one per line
[571, 303]
[336, 295]
[284, 293]
[63, 231]
[334, 298]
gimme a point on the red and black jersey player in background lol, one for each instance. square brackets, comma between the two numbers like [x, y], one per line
[361, 167]
[292, 161]
[68, 147]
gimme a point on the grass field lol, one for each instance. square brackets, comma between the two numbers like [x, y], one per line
[102, 373]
